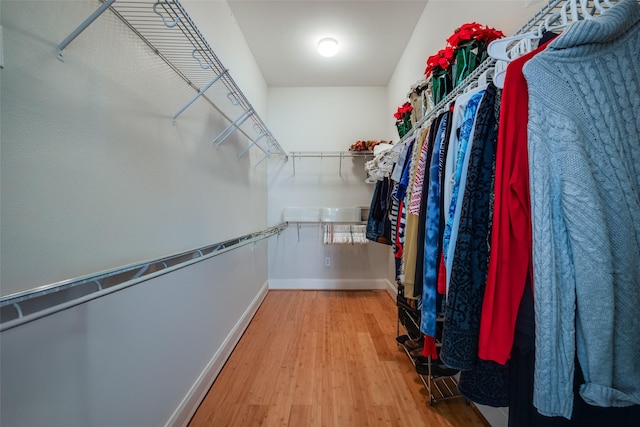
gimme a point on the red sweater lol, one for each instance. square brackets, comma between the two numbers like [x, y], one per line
[511, 245]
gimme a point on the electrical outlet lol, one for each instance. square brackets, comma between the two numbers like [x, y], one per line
[327, 262]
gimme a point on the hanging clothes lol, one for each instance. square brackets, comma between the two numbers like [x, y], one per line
[433, 237]
[411, 230]
[433, 137]
[481, 381]
[584, 133]
[469, 266]
[510, 261]
[378, 223]
[464, 112]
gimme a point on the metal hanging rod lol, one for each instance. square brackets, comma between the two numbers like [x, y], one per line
[327, 154]
[169, 31]
[322, 154]
[24, 307]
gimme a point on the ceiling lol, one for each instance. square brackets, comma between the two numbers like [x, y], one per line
[283, 36]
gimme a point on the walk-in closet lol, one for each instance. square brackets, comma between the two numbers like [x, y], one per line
[319, 213]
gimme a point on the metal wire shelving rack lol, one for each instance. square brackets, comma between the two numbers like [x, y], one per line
[167, 29]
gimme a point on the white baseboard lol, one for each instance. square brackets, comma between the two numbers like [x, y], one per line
[392, 289]
[328, 284]
[184, 412]
[496, 417]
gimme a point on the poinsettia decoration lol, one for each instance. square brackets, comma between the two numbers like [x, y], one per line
[403, 111]
[461, 36]
[443, 60]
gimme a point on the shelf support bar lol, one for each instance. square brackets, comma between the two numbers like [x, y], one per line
[266, 156]
[231, 128]
[71, 37]
[18, 309]
[198, 95]
[255, 141]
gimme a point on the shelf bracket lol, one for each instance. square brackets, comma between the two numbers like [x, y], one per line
[232, 128]
[255, 141]
[71, 37]
[198, 95]
[266, 156]
[18, 309]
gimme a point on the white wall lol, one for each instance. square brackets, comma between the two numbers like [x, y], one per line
[324, 119]
[94, 175]
[432, 31]
[140, 357]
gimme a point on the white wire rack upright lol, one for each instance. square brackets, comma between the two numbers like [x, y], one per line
[167, 29]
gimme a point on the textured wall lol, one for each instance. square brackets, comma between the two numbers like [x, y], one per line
[96, 176]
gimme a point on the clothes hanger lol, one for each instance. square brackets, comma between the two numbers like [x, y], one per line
[483, 79]
[499, 72]
[500, 49]
[584, 7]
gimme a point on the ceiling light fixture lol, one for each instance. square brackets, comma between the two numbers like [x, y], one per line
[328, 47]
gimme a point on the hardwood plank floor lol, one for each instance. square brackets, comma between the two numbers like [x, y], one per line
[324, 358]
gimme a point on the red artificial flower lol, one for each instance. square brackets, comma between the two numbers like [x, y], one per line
[466, 32]
[454, 39]
[489, 34]
[404, 109]
[442, 59]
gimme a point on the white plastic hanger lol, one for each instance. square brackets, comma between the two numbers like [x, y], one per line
[499, 72]
[503, 49]
[499, 49]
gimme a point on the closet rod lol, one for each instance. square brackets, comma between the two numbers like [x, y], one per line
[322, 154]
[27, 306]
[532, 23]
[327, 154]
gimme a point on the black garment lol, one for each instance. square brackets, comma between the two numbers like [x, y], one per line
[522, 413]
[487, 383]
[378, 223]
[443, 210]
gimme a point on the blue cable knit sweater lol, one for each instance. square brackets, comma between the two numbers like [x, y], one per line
[584, 151]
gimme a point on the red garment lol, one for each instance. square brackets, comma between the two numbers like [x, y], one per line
[511, 242]
[442, 277]
[429, 348]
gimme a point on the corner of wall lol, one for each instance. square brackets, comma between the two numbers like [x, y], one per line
[189, 404]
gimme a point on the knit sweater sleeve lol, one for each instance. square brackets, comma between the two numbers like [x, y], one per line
[554, 276]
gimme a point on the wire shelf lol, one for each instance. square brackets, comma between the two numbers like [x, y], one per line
[169, 31]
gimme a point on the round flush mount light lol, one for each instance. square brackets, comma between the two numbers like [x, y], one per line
[328, 47]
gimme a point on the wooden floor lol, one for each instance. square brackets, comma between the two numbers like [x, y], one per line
[324, 358]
